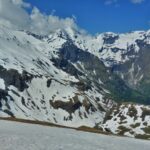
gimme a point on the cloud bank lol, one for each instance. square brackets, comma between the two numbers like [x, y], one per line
[14, 15]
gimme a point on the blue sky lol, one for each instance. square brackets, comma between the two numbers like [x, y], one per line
[97, 16]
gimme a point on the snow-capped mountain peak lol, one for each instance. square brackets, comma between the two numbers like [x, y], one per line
[67, 77]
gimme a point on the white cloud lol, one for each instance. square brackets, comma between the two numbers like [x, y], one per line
[137, 1]
[14, 15]
[110, 2]
[21, 3]
[45, 24]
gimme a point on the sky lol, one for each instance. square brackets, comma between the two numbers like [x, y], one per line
[100, 15]
[93, 16]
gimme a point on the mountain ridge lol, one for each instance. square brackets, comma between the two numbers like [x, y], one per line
[69, 79]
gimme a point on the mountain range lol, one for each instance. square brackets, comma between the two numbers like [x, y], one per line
[77, 80]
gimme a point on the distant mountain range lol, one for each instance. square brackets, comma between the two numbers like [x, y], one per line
[73, 79]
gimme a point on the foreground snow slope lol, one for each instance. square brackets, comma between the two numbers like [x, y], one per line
[19, 136]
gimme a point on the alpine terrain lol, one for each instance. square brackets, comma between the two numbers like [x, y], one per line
[72, 79]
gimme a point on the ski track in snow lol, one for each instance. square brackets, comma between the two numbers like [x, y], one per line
[20, 136]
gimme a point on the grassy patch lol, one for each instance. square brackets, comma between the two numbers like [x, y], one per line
[93, 130]
[146, 112]
[135, 125]
[147, 130]
[144, 136]
[132, 112]
[145, 123]
[123, 130]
